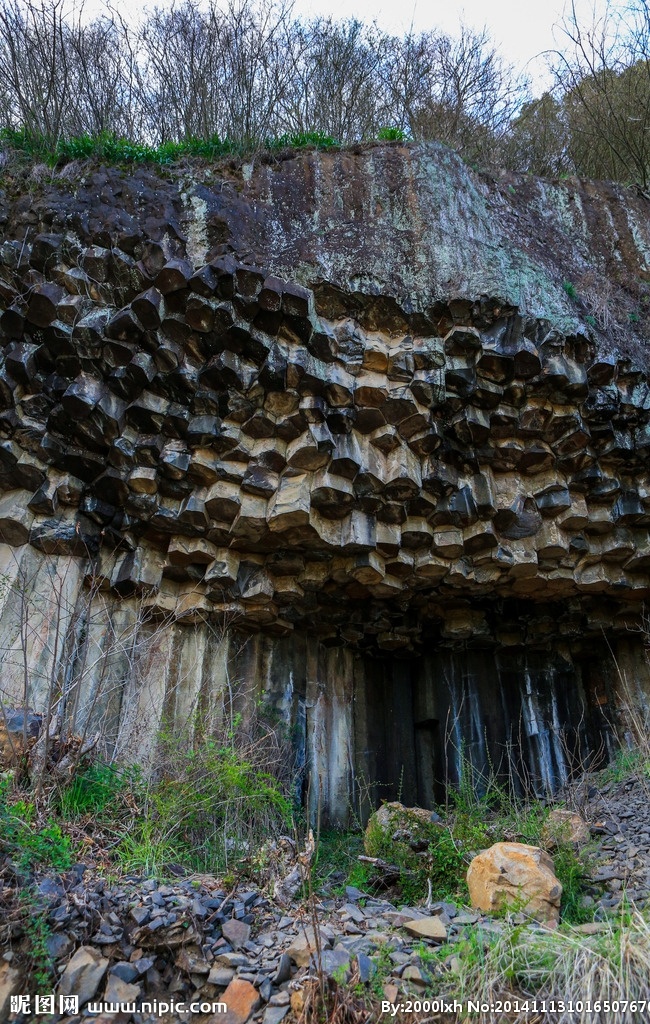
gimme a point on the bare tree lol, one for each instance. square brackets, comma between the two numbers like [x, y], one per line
[34, 64]
[246, 70]
[538, 140]
[604, 79]
[208, 71]
[337, 85]
[63, 76]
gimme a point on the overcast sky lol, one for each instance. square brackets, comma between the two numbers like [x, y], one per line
[522, 29]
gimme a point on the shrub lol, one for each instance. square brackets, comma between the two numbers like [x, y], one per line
[428, 852]
[208, 805]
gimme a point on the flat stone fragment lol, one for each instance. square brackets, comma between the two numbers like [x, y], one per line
[241, 998]
[427, 928]
[236, 932]
[274, 1014]
[83, 974]
[221, 976]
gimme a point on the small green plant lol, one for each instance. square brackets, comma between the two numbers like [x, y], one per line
[571, 869]
[114, 149]
[36, 931]
[302, 140]
[570, 289]
[336, 865]
[27, 841]
[627, 761]
[94, 789]
[389, 134]
[591, 320]
[384, 966]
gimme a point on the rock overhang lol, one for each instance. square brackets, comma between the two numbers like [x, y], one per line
[428, 442]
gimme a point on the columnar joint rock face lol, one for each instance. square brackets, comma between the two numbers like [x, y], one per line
[210, 439]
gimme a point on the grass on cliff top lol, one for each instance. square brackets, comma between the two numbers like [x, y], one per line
[109, 147]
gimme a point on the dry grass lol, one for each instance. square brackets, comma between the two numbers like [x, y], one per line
[598, 976]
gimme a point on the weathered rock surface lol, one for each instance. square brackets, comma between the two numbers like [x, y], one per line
[395, 821]
[83, 974]
[343, 401]
[18, 732]
[515, 876]
[563, 826]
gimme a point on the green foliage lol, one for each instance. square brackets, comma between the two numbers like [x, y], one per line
[591, 320]
[116, 150]
[571, 869]
[384, 967]
[627, 761]
[570, 289]
[94, 789]
[27, 841]
[440, 858]
[112, 148]
[302, 140]
[211, 803]
[391, 135]
[335, 864]
[36, 931]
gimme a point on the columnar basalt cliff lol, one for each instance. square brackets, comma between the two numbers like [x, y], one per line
[384, 418]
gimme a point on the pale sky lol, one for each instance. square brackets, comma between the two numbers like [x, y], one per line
[522, 29]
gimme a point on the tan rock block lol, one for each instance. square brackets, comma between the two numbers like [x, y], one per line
[576, 517]
[368, 568]
[513, 875]
[223, 570]
[427, 928]
[389, 538]
[241, 998]
[290, 506]
[223, 500]
[390, 586]
[371, 390]
[375, 355]
[447, 542]
[191, 550]
[307, 453]
[401, 565]
[563, 826]
[143, 480]
[551, 542]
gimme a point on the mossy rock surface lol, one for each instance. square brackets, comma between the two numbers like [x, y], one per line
[393, 824]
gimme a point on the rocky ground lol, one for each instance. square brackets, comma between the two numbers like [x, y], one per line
[619, 818]
[189, 940]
